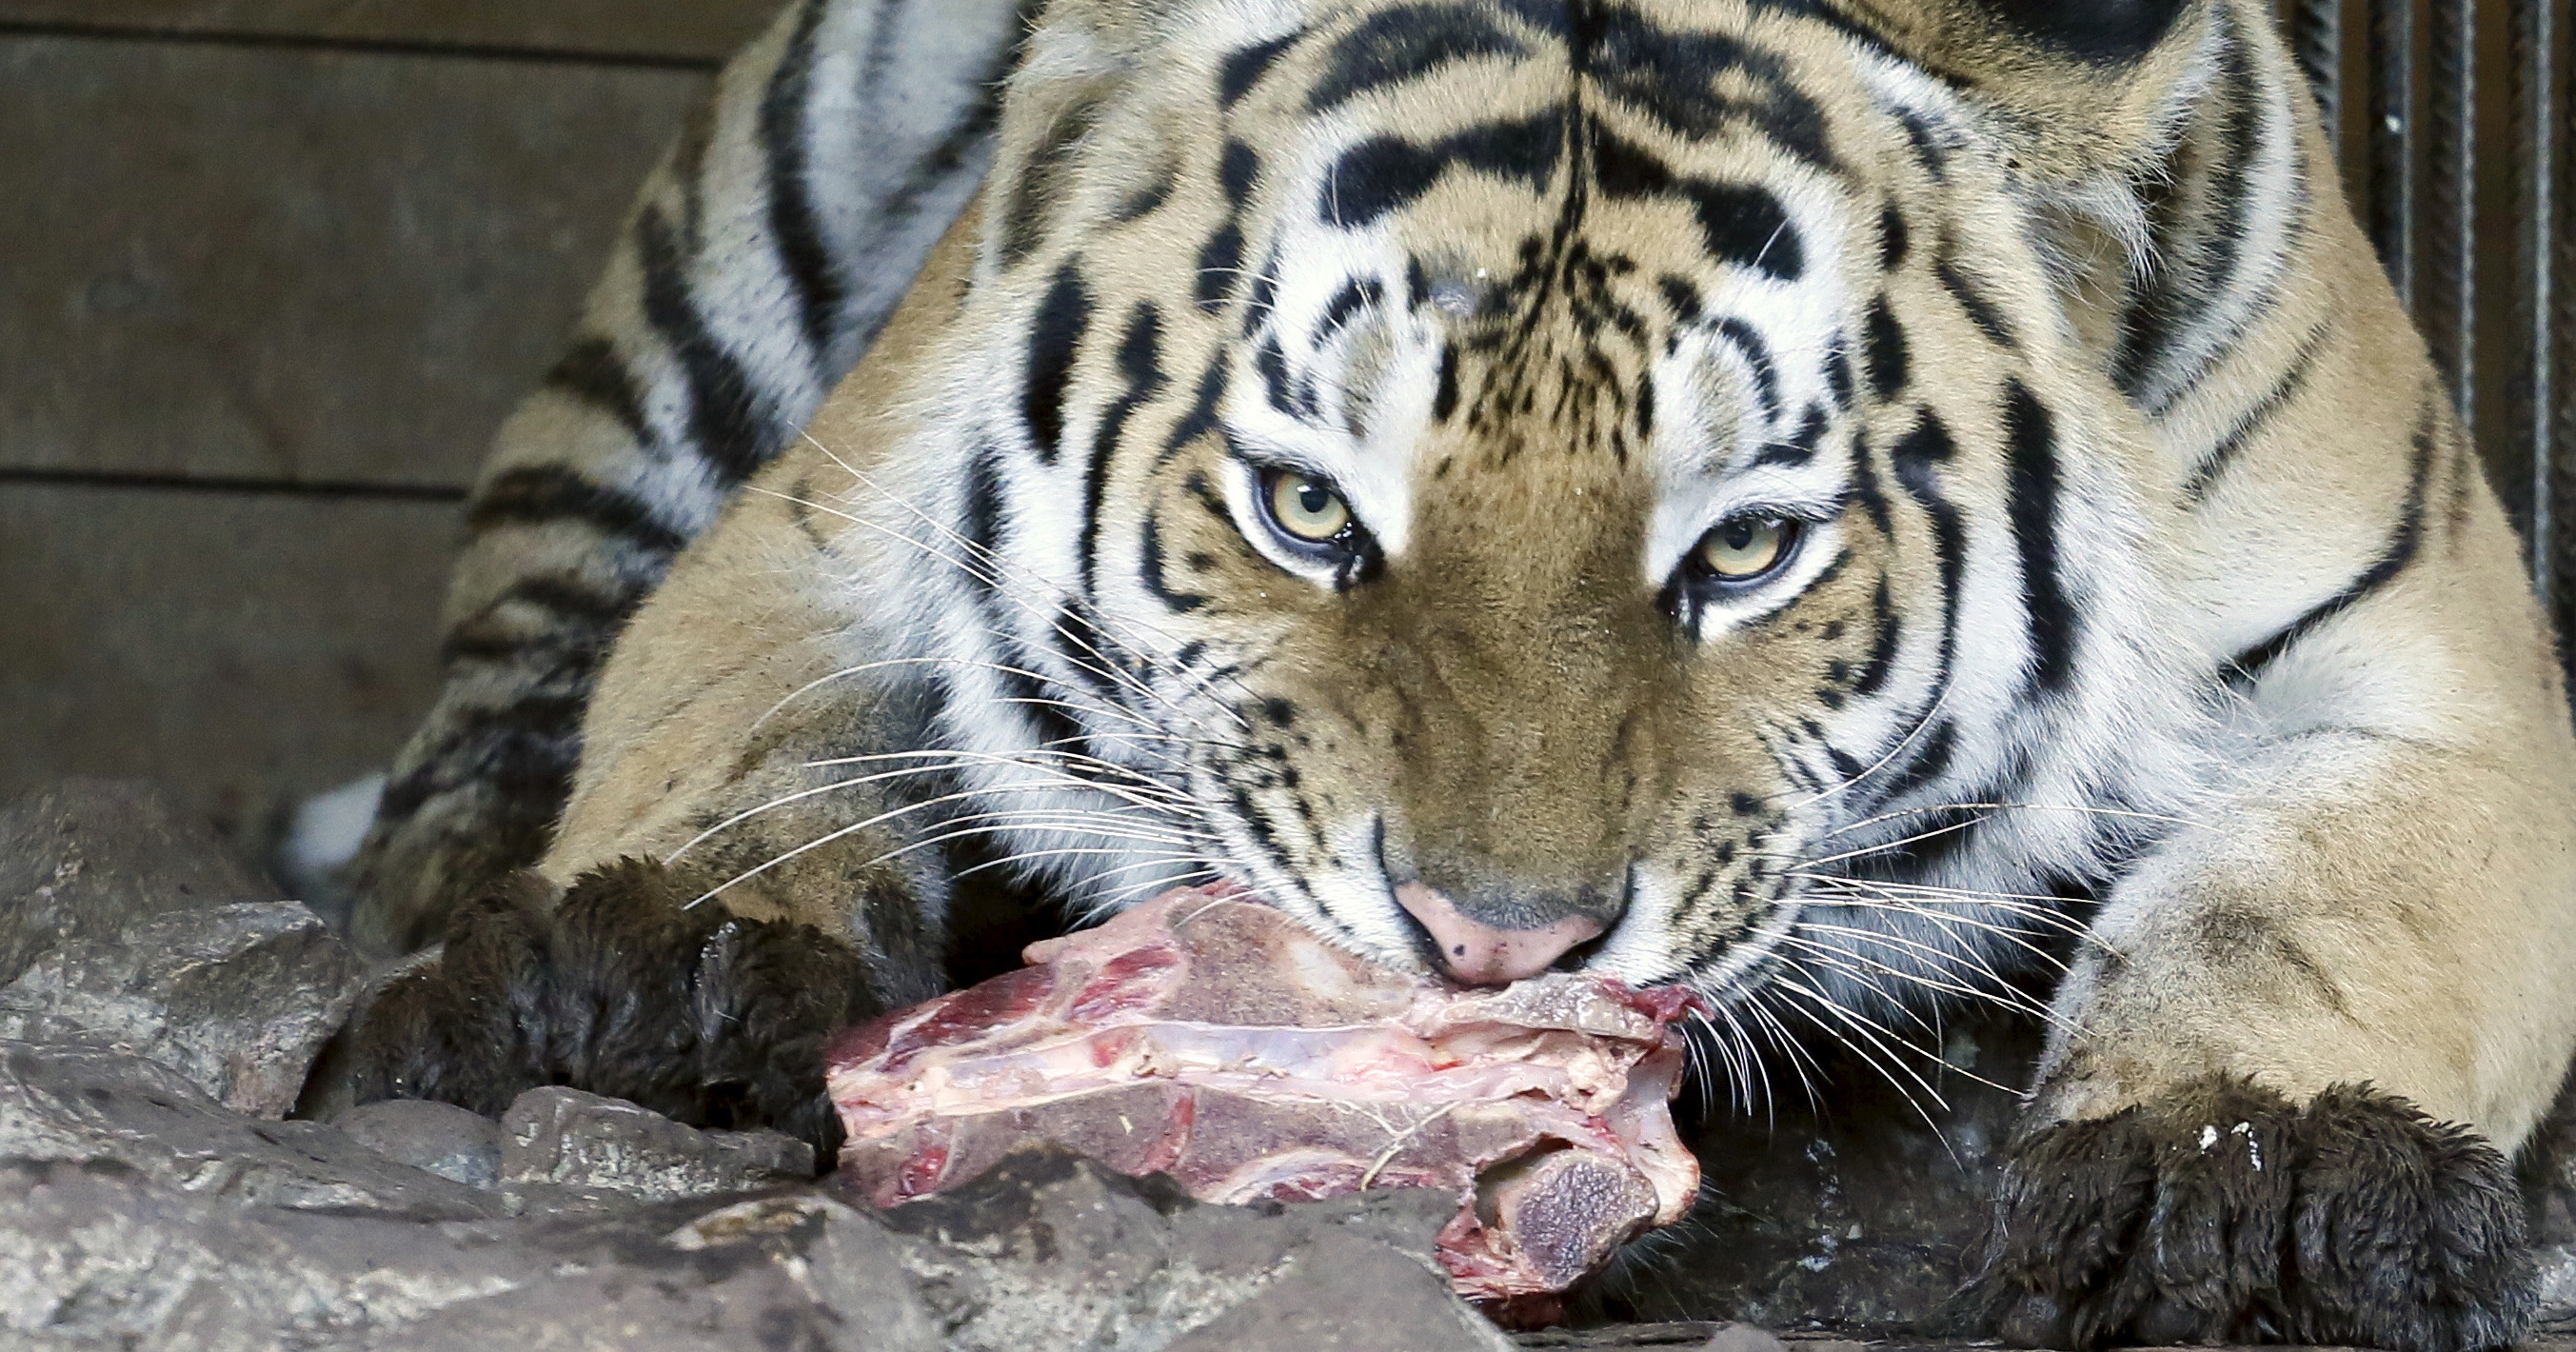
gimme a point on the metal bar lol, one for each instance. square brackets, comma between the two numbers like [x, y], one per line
[2316, 43]
[2554, 412]
[2535, 191]
[2393, 157]
[2447, 263]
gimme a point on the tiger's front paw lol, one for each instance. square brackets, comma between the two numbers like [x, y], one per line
[2227, 1214]
[626, 988]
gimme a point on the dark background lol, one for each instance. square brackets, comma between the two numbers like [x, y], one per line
[272, 271]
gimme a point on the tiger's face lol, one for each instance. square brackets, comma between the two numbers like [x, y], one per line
[1518, 483]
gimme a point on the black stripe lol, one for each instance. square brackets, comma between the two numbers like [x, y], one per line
[1238, 173]
[1400, 45]
[726, 425]
[1698, 84]
[1744, 224]
[1883, 352]
[1220, 264]
[2031, 437]
[2250, 664]
[1838, 371]
[792, 217]
[1887, 633]
[1933, 752]
[1150, 571]
[580, 624]
[1981, 312]
[1201, 420]
[1802, 445]
[544, 494]
[524, 750]
[1052, 727]
[1893, 238]
[1914, 459]
[2291, 385]
[1140, 360]
[2181, 298]
[1055, 339]
[1682, 298]
[1244, 67]
[592, 372]
[980, 521]
[1355, 296]
[1748, 341]
[1026, 209]
[1388, 173]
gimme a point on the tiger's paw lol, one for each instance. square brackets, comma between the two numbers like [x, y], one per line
[623, 988]
[2227, 1214]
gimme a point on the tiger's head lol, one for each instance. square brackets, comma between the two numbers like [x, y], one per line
[1535, 482]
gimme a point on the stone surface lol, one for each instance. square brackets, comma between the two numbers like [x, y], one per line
[1047, 1242]
[300, 264]
[237, 998]
[102, 1109]
[1048, 1253]
[441, 1138]
[86, 858]
[564, 1145]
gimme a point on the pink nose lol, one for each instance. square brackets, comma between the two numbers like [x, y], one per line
[1481, 955]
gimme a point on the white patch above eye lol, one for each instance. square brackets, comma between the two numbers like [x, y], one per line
[1361, 441]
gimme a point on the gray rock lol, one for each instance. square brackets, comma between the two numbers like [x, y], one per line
[1048, 1242]
[89, 857]
[87, 1106]
[238, 998]
[567, 1147]
[446, 1140]
[1743, 1338]
[2556, 1308]
[1047, 1252]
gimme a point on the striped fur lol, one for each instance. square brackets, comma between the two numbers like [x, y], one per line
[2147, 619]
[758, 261]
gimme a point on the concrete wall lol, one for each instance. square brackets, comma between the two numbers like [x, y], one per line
[271, 272]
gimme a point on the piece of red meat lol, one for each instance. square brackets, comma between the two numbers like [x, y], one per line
[1217, 1040]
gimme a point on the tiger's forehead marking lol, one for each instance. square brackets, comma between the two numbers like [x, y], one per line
[1620, 236]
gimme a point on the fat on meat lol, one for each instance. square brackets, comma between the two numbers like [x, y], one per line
[1214, 1039]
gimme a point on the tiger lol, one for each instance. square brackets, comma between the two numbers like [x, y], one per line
[1849, 506]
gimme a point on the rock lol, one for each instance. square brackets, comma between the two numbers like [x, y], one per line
[563, 1145]
[89, 857]
[2556, 1308]
[1743, 1338]
[102, 1109]
[441, 1138]
[1048, 1242]
[1046, 1252]
[238, 998]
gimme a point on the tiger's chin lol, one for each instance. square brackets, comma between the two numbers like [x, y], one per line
[2227, 1214]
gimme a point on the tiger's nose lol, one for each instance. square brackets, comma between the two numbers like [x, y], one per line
[1483, 955]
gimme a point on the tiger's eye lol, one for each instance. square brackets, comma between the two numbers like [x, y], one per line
[1308, 509]
[1747, 547]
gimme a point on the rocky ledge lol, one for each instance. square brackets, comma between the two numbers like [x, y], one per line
[175, 1172]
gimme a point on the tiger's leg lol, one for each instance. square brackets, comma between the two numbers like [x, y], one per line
[2287, 1080]
[759, 260]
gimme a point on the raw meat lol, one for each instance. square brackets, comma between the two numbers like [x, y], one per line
[1217, 1040]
